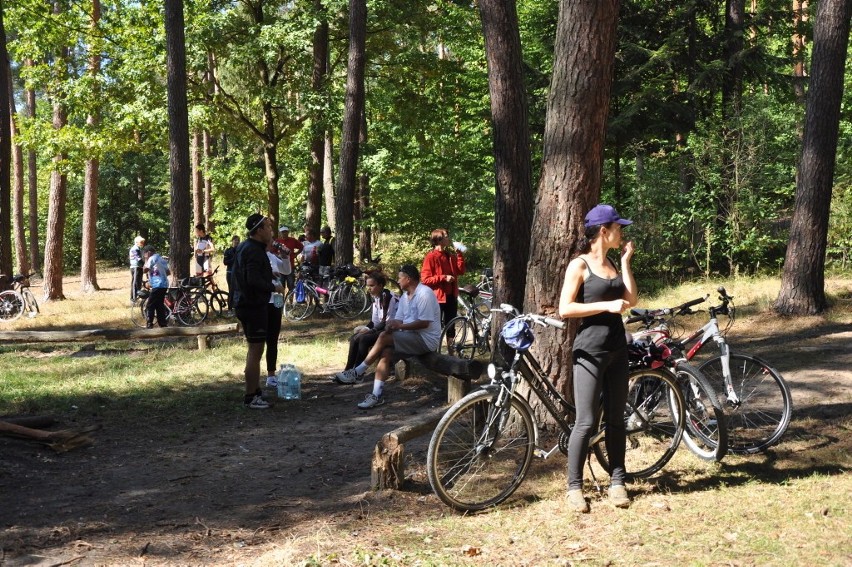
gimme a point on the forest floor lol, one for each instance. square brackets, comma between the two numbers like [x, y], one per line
[219, 484]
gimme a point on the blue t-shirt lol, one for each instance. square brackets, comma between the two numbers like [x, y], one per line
[158, 271]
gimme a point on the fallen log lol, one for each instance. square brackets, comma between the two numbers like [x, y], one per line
[59, 441]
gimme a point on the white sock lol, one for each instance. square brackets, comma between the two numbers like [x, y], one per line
[378, 388]
[362, 368]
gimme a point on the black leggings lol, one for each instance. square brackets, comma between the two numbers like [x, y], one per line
[359, 347]
[273, 329]
[593, 374]
[449, 311]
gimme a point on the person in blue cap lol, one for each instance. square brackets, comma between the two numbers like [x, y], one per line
[597, 292]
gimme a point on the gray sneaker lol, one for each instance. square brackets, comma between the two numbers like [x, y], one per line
[618, 496]
[577, 501]
[371, 401]
[346, 377]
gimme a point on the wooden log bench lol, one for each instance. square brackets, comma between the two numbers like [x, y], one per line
[388, 464]
[203, 334]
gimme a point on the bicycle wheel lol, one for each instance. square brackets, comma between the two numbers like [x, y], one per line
[192, 309]
[30, 303]
[458, 338]
[347, 300]
[11, 306]
[761, 415]
[480, 453]
[218, 302]
[706, 431]
[299, 310]
[137, 312]
[654, 418]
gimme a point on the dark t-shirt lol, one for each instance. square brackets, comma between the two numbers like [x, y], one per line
[252, 275]
[603, 332]
[326, 253]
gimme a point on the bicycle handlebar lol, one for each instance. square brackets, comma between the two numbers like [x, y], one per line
[540, 319]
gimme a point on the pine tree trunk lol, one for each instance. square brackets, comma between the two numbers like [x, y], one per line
[5, 155]
[88, 264]
[570, 184]
[353, 107]
[32, 187]
[209, 152]
[197, 180]
[313, 213]
[362, 203]
[513, 171]
[328, 180]
[179, 163]
[803, 280]
[17, 187]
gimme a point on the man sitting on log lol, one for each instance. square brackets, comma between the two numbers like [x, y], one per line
[414, 330]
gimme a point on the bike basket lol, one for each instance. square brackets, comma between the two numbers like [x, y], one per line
[517, 334]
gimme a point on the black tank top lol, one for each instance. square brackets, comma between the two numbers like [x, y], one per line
[603, 332]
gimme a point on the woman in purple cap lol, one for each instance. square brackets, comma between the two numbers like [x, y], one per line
[596, 292]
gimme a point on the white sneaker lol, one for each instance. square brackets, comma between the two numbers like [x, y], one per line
[371, 401]
[257, 403]
[271, 382]
[346, 376]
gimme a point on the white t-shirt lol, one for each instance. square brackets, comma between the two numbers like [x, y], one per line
[422, 306]
[378, 314]
[277, 265]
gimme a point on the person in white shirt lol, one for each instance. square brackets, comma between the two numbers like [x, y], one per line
[273, 327]
[415, 329]
[203, 250]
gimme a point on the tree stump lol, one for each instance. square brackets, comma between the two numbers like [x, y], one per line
[388, 465]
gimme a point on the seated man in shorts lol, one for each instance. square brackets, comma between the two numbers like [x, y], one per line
[415, 329]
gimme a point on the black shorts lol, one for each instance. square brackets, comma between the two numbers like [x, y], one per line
[255, 322]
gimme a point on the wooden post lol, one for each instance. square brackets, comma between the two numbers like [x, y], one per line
[203, 342]
[388, 465]
[457, 388]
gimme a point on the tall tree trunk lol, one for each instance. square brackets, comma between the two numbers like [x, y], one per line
[313, 213]
[32, 181]
[5, 155]
[803, 281]
[800, 17]
[18, 229]
[328, 180]
[197, 180]
[270, 160]
[56, 213]
[179, 167]
[209, 152]
[512, 167]
[362, 208]
[353, 107]
[88, 264]
[575, 131]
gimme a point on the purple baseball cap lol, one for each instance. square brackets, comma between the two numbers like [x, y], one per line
[605, 214]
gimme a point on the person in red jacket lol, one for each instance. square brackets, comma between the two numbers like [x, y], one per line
[441, 269]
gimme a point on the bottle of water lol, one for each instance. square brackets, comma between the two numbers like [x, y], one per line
[289, 382]
[281, 379]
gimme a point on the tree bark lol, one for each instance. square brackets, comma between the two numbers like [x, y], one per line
[197, 180]
[17, 183]
[575, 131]
[800, 17]
[179, 167]
[362, 209]
[328, 180]
[88, 260]
[803, 280]
[353, 107]
[512, 167]
[313, 213]
[5, 155]
[209, 152]
[32, 193]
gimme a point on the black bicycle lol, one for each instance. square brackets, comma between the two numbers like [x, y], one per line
[482, 448]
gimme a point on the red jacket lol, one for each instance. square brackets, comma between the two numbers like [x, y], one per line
[438, 264]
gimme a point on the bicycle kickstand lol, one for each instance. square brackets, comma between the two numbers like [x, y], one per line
[595, 482]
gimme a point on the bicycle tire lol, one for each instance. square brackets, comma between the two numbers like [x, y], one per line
[469, 475]
[706, 431]
[30, 303]
[191, 309]
[347, 300]
[11, 306]
[137, 313]
[461, 335]
[654, 418]
[218, 302]
[297, 311]
[765, 405]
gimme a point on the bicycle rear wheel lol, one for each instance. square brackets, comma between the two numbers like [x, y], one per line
[458, 338]
[348, 300]
[299, 310]
[706, 431]
[218, 302]
[30, 303]
[11, 306]
[654, 418]
[191, 309]
[480, 453]
[762, 413]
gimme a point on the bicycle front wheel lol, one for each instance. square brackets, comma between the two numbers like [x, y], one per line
[761, 411]
[30, 303]
[654, 421]
[348, 301]
[299, 310]
[11, 306]
[480, 453]
[218, 302]
[458, 339]
[706, 431]
[191, 309]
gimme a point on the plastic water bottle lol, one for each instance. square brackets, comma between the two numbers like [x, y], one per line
[289, 382]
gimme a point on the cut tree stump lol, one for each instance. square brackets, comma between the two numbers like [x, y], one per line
[388, 466]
